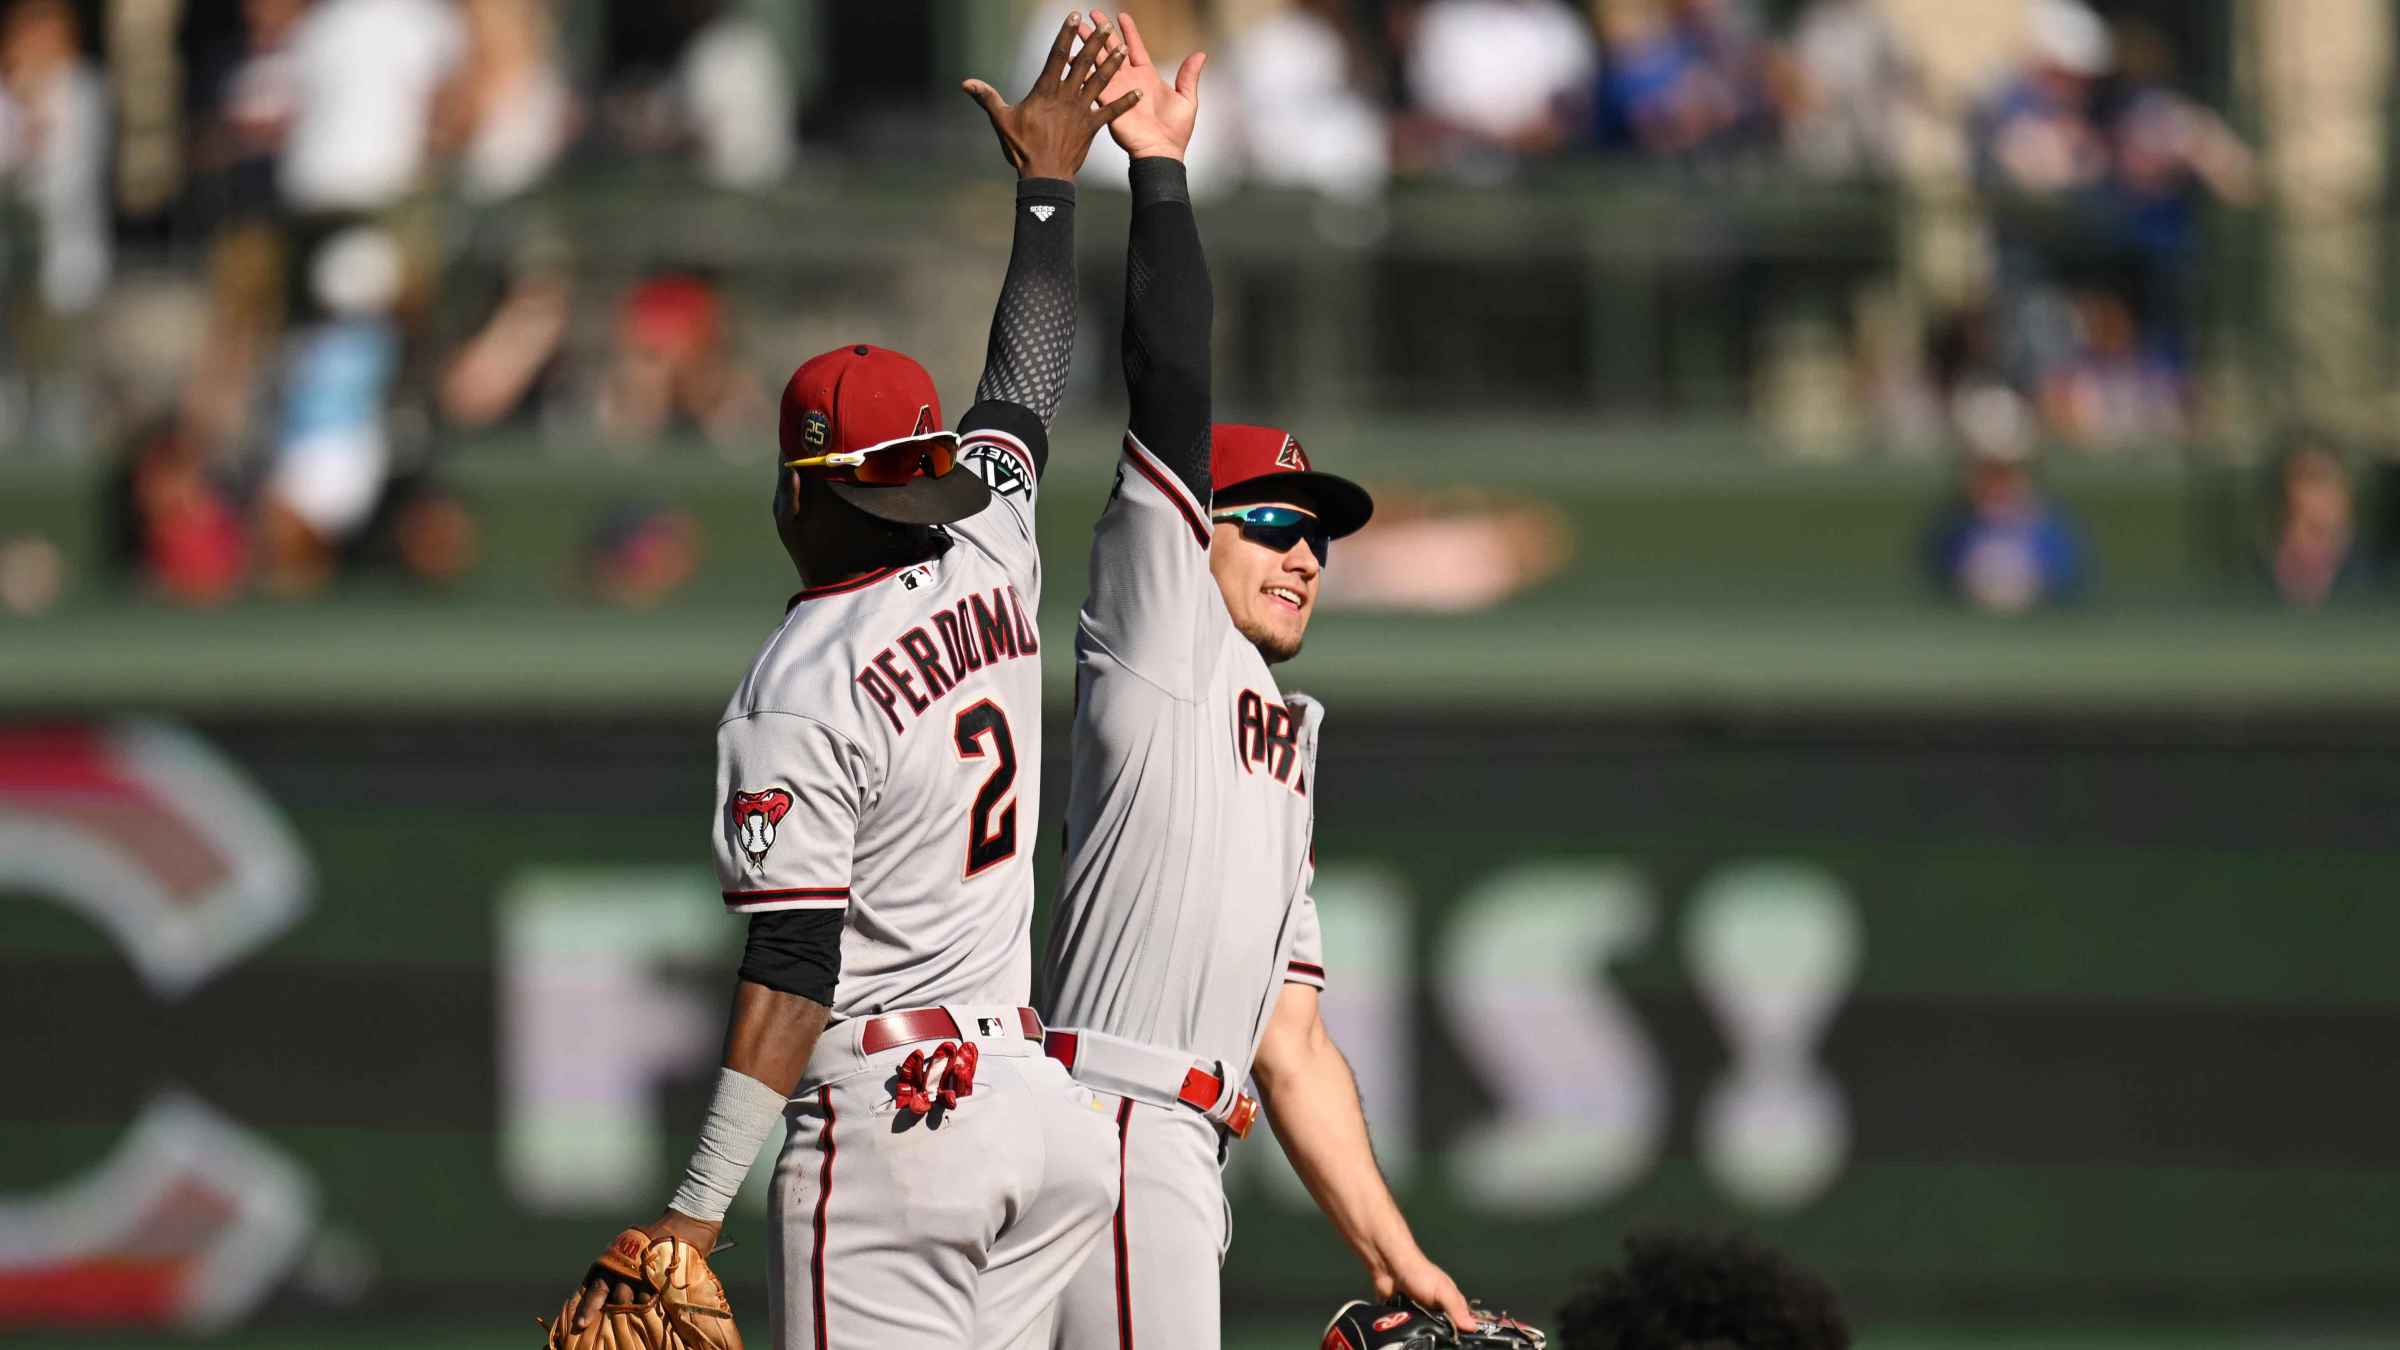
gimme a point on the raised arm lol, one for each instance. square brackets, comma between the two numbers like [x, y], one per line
[1005, 438]
[1153, 607]
[1033, 325]
[1045, 138]
[1168, 304]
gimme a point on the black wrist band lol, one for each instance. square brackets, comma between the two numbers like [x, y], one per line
[1157, 179]
[1045, 189]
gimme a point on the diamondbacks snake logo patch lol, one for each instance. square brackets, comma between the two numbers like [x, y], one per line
[755, 815]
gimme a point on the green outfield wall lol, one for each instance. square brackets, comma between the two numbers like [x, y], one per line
[2036, 1018]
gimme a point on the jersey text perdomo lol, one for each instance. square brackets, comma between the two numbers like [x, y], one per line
[951, 645]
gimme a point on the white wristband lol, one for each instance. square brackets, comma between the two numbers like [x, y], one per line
[739, 1118]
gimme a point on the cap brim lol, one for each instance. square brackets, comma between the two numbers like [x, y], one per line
[1344, 506]
[954, 496]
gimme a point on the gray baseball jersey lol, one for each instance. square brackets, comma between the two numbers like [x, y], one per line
[1191, 801]
[884, 757]
[1186, 904]
[940, 1180]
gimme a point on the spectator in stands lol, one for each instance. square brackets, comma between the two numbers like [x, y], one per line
[1687, 1291]
[640, 555]
[2002, 546]
[54, 143]
[510, 112]
[178, 532]
[736, 99]
[1688, 78]
[1854, 81]
[2040, 133]
[2314, 555]
[242, 134]
[674, 370]
[333, 454]
[1728, 44]
[2105, 386]
[509, 370]
[1490, 81]
[367, 75]
[1303, 99]
[1654, 97]
[2168, 153]
[2040, 137]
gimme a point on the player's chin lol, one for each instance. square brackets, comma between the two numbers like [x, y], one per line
[1277, 638]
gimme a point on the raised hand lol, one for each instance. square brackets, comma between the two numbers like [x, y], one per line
[1161, 124]
[1049, 131]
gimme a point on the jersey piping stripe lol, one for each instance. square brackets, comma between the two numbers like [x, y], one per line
[841, 587]
[1308, 970]
[994, 436]
[816, 1260]
[823, 897]
[1124, 1283]
[1140, 457]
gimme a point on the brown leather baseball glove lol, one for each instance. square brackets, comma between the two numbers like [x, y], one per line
[682, 1304]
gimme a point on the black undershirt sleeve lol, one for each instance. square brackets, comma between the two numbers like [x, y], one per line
[795, 951]
[1033, 325]
[1168, 310]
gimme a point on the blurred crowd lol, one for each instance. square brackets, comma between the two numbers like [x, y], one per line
[308, 323]
[276, 255]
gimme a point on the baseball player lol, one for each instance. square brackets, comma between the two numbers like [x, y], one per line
[878, 778]
[1184, 956]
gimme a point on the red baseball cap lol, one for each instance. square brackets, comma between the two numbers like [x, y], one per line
[1255, 464]
[862, 398]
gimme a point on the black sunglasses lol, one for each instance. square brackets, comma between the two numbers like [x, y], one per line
[1280, 527]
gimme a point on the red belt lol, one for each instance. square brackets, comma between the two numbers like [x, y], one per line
[1200, 1089]
[925, 1024]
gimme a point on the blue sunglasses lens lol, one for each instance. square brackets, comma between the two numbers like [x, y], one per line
[1280, 527]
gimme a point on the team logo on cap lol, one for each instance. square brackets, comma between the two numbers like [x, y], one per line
[755, 815]
[1291, 456]
[813, 430]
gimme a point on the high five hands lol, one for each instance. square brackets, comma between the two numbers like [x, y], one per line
[1161, 123]
[1048, 132]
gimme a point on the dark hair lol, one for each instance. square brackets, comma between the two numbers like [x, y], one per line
[1691, 1291]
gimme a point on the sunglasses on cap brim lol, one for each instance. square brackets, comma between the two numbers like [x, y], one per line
[1280, 527]
[890, 463]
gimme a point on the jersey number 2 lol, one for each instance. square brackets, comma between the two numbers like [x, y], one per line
[992, 829]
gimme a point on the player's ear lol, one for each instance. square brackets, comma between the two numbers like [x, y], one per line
[787, 495]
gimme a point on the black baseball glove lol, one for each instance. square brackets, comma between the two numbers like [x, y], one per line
[1401, 1323]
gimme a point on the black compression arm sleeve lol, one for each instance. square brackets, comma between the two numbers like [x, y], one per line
[796, 951]
[1033, 326]
[1168, 310]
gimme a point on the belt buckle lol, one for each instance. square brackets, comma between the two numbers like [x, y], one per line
[1243, 1115]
